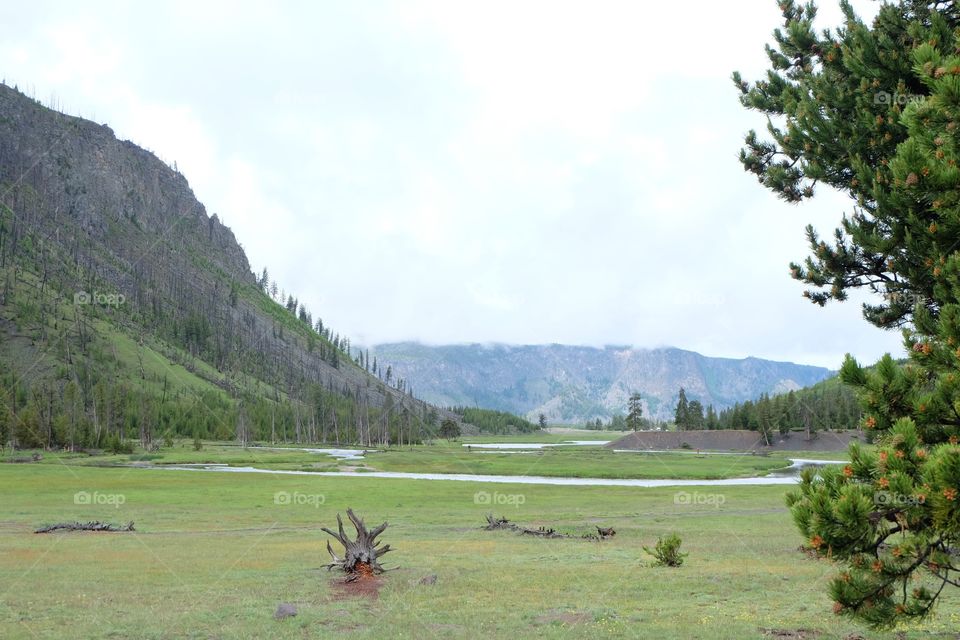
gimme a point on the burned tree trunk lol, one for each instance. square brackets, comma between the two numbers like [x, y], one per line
[361, 555]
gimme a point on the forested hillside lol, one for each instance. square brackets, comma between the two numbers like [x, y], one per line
[128, 312]
[827, 405]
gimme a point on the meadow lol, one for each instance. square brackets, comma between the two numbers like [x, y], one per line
[452, 457]
[213, 555]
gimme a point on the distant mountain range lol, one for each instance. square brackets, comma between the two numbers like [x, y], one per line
[571, 384]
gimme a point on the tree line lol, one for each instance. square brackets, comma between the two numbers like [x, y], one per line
[99, 411]
[826, 406]
[492, 421]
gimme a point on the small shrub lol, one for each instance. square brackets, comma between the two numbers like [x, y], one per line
[116, 446]
[667, 551]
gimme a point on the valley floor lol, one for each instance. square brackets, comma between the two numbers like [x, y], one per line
[214, 554]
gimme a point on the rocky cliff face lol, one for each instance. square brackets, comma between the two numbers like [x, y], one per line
[89, 188]
[572, 384]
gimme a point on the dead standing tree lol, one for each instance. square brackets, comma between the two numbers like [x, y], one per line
[361, 556]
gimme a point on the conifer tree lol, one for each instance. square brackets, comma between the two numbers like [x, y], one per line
[712, 421]
[874, 111]
[694, 415]
[264, 281]
[635, 412]
[681, 416]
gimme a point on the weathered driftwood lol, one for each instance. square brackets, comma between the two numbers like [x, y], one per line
[361, 556]
[494, 524]
[543, 533]
[94, 525]
[498, 523]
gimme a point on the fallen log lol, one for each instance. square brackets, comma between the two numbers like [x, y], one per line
[361, 556]
[94, 525]
[544, 533]
[494, 524]
[498, 523]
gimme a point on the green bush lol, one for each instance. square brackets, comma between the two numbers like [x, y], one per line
[116, 446]
[667, 551]
[449, 429]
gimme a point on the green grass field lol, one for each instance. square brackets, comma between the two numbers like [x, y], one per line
[215, 553]
[451, 457]
[591, 462]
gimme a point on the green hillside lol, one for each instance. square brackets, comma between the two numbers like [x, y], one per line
[127, 313]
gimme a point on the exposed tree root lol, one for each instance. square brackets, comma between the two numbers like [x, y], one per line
[361, 556]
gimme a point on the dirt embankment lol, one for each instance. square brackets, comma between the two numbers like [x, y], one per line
[737, 440]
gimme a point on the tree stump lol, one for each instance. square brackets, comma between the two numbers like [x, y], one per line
[361, 556]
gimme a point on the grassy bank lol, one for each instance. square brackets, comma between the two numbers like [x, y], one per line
[452, 457]
[590, 462]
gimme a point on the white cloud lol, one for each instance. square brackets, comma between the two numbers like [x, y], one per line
[522, 172]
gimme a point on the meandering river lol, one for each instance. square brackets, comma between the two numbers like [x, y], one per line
[790, 475]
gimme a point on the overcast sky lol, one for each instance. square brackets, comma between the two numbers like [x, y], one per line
[468, 172]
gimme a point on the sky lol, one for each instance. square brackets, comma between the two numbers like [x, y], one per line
[445, 171]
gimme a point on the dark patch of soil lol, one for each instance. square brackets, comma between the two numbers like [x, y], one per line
[364, 586]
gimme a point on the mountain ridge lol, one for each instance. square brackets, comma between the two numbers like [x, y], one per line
[576, 383]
